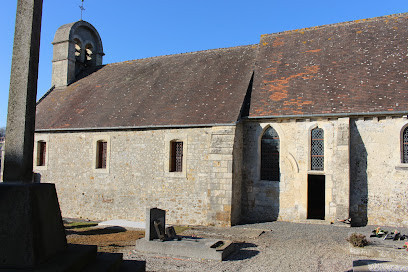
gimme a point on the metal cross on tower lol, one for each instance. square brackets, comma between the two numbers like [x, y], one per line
[82, 8]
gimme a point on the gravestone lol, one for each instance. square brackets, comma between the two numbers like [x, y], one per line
[162, 240]
[158, 216]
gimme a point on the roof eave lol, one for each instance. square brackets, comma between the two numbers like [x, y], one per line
[134, 127]
[330, 115]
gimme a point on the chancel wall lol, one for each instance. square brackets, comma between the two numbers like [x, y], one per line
[137, 174]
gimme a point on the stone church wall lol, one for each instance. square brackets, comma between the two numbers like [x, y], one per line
[364, 176]
[137, 174]
[378, 178]
[286, 199]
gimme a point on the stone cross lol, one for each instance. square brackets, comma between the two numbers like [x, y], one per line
[19, 145]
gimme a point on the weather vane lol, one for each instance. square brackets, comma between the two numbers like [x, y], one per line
[82, 8]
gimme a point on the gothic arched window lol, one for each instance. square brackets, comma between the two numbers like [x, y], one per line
[270, 155]
[317, 149]
[405, 145]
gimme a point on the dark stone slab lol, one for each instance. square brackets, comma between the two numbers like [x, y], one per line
[154, 214]
[133, 266]
[18, 159]
[73, 259]
[105, 262]
[31, 229]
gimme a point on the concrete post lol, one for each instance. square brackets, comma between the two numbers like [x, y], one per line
[18, 159]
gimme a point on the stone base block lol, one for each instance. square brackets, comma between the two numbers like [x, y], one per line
[133, 266]
[374, 265]
[381, 251]
[198, 248]
[73, 259]
[31, 228]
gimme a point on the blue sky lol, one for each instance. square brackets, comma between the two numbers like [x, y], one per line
[132, 29]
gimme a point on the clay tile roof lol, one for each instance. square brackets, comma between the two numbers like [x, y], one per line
[200, 88]
[353, 67]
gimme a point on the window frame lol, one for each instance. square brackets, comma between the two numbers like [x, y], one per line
[41, 153]
[96, 153]
[404, 145]
[101, 154]
[37, 139]
[169, 138]
[261, 169]
[176, 156]
[311, 155]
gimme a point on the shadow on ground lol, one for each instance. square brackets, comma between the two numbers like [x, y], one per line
[96, 231]
[190, 237]
[242, 252]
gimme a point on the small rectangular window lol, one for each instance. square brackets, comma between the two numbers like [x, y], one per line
[41, 153]
[102, 149]
[176, 157]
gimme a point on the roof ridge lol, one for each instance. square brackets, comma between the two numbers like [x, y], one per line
[396, 15]
[179, 54]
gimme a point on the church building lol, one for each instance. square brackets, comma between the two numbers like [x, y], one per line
[306, 125]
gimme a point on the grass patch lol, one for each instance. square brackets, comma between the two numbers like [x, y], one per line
[79, 225]
[180, 229]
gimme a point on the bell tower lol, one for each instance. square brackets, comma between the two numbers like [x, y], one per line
[77, 47]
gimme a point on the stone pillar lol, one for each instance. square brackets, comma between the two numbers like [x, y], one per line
[18, 159]
[341, 175]
[31, 228]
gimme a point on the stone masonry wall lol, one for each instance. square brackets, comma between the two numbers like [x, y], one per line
[237, 166]
[138, 174]
[287, 199]
[365, 152]
[378, 178]
[220, 190]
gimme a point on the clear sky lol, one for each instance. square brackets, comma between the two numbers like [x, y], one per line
[133, 29]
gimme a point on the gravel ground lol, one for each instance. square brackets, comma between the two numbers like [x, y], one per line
[281, 246]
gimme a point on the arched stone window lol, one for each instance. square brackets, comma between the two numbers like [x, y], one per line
[270, 155]
[405, 145]
[317, 149]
